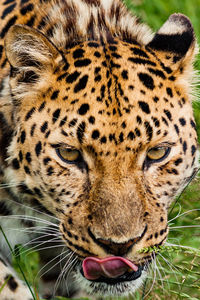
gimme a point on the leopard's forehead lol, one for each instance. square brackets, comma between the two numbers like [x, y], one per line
[117, 93]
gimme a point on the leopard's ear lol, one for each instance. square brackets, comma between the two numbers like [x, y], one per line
[176, 42]
[29, 52]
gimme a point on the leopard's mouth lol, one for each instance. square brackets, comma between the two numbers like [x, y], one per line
[111, 276]
[110, 270]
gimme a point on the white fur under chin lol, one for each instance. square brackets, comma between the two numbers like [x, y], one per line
[105, 290]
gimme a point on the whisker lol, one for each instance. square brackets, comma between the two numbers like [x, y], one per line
[64, 271]
[154, 278]
[31, 218]
[54, 264]
[185, 226]
[185, 213]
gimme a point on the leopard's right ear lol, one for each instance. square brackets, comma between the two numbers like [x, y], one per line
[176, 43]
[29, 52]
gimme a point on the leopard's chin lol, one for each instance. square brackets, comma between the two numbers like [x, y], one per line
[121, 286]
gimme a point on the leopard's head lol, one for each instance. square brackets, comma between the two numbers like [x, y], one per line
[104, 138]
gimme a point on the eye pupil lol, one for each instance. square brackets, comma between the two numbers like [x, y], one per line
[68, 155]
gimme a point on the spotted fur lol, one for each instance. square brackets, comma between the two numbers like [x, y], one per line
[86, 74]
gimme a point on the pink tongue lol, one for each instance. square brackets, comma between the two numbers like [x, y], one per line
[110, 267]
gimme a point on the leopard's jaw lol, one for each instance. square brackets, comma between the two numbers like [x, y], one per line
[103, 289]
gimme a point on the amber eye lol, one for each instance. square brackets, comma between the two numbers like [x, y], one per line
[68, 155]
[158, 153]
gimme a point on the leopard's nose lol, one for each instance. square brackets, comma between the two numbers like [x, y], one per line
[117, 249]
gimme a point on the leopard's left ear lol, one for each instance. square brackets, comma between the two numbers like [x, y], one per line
[176, 42]
[30, 55]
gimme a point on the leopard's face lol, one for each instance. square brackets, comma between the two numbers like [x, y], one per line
[105, 141]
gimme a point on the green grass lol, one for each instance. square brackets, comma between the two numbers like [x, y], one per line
[181, 277]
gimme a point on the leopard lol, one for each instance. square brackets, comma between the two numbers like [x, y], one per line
[97, 138]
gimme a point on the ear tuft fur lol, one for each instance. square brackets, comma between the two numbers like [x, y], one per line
[28, 48]
[175, 36]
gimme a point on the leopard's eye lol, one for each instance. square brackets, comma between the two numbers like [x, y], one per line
[157, 153]
[68, 155]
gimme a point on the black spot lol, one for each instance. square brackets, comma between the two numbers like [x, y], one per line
[81, 84]
[29, 114]
[27, 170]
[5, 29]
[139, 52]
[169, 92]
[24, 189]
[28, 8]
[82, 62]
[63, 121]
[176, 128]
[31, 21]
[157, 73]
[182, 121]
[131, 135]
[137, 132]
[193, 150]
[1, 51]
[46, 160]
[146, 80]
[80, 131]
[125, 74]
[12, 284]
[73, 122]
[72, 77]
[97, 78]
[178, 161]
[174, 171]
[23, 137]
[70, 222]
[91, 120]
[155, 99]
[144, 106]
[20, 156]
[184, 146]
[141, 61]
[38, 148]
[146, 214]
[193, 124]
[168, 114]
[54, 95]
[97, 54]
[38, 192]
[93, 44]
[50, 171]
[28, 157]
[78, 53]
[15, 164]
[95, 134]
[103, 140]
[44, 126]
[56, 115]
[123, 125]
[121, 137]
[8, 10]
[42, 106]
[149, 130]
[83, 109]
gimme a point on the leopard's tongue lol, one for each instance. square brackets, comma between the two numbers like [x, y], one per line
[110, 267]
